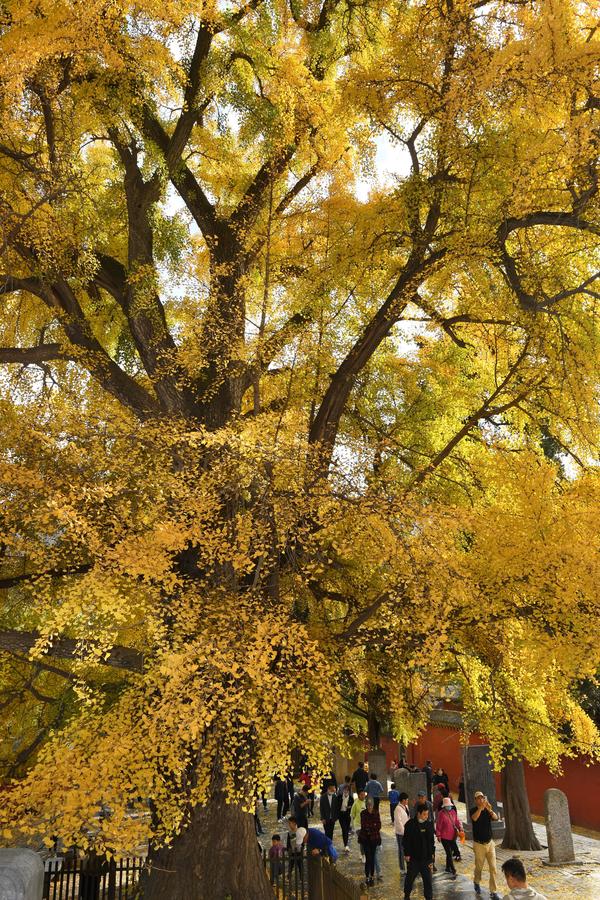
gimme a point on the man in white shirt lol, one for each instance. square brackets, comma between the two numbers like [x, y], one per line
[295, 843]
[401, 817]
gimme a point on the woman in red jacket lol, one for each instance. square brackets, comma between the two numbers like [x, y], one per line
[447, 826]
[370, 837]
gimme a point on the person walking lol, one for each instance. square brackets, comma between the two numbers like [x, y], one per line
[343, 803]
[327, 809]
[394, 798]
[428, 769]
[419, 848]
[441, 777]
[346, 784]
[357, 807]
[422, 798]
[374, 789]
[401, 817]
[438, 795]
[281, 796]
[360, 778]
[482, 816]
[370, 837]
[447, 826]
[516, 879]
[300, 805]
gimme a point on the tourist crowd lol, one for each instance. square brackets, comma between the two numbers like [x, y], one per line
[355, 807]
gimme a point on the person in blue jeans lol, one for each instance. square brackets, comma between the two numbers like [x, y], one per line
[374, 789]
[394, 798]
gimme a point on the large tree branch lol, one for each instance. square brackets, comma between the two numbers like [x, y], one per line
[22, 642]
[249, 207]
[530, 302]
[28, 356]
[325, 426]
[59, 298]
[363, 617]
[189, 114]
[143, 307]
[488, 409]
[183, 179]
[26, 577]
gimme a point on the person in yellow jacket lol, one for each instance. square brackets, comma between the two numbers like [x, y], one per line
[357, 808]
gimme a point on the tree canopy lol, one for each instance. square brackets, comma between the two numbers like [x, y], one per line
[299, 347]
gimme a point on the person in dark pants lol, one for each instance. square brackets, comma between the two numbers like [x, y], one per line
[394, 798]
[418, 844]
[295, 845]
[370, 837]
[300, 806]
[360, 778]
[447, 826]
[282, 798]
[327, 809]
[291, 791]
[374, 789]
[428, 770]
[343, 810]
[401, 817]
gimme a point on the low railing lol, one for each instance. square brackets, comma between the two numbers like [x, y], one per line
[288, 875]
[92, 878]
[307, 877]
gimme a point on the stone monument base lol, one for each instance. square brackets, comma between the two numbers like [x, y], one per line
[561, 865]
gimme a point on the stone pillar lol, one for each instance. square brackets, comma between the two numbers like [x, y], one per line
[558, 828]
[479, 776]
[21, 875]
[411, 783]
[378, 764]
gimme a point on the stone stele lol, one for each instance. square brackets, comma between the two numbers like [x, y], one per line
[558, 828]
[479, 776]
[411, 783]
[378, 764]
[21, 875]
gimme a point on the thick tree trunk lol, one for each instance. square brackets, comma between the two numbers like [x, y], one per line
[215, 858]
[518, 833]
[374, 731]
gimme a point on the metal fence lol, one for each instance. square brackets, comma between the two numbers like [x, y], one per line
[302, 877]
[288, 875]
[92, 878]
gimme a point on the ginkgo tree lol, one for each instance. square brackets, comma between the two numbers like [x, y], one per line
[273, 418]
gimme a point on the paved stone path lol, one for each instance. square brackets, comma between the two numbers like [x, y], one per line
[569, 883]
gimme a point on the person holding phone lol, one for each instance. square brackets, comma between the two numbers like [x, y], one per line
[484, 848]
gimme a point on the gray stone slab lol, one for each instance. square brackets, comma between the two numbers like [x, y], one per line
[411, 782]
[378, 764]
[558, 828]
[21, 875]
[479, 776]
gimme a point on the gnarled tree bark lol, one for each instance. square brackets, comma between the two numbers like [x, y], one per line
[518, 833]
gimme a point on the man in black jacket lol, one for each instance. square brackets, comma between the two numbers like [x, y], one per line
[327, 808]
[418, 844]
[360, 778]
[300, 805]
